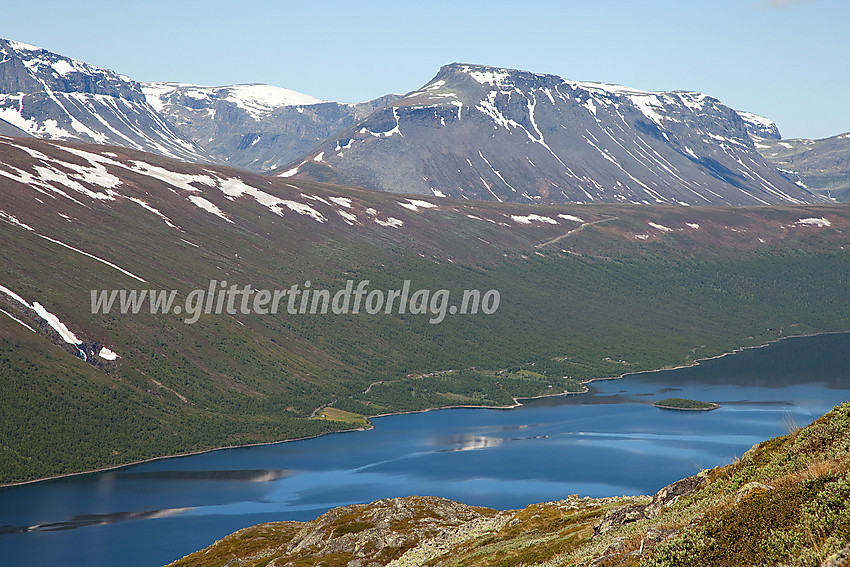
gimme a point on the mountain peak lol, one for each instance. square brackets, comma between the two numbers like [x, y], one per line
[52, 96]
[483, 132]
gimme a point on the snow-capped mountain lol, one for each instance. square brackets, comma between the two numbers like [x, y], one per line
[481, 132]
[473, 132]
[52, 96]
[257, 127]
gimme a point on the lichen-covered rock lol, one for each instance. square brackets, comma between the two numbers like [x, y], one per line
[840, 559]
[664, 497]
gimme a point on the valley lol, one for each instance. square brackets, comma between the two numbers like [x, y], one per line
[651, 287]
[237, 305]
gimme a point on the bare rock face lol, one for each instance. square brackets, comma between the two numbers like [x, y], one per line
[384, 526]
[672, 492]
[479, 132]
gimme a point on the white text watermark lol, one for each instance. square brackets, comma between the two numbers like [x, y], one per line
[220, 297]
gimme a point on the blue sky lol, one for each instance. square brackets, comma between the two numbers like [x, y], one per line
[784, 59]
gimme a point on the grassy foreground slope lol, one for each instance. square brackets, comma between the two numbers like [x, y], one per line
[783, 503]
[586, 292]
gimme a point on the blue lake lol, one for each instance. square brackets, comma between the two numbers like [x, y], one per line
[610, 441]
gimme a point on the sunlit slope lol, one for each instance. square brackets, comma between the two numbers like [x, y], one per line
[585, 292]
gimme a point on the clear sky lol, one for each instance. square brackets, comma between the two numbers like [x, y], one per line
[788, 60]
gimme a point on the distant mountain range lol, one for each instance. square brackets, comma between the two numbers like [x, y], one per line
[473, 132]
[822, 166]
[255, 127]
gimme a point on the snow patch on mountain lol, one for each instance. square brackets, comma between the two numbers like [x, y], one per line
[257, 100]
[208, 206]
[50, 178]
[51, 319]
[813, 221]
[55, 323]
[348, 218]
[390, 222]
[528, 219]
[179, 180]
[341, 201]
[660, 227]
[107, 354]
[759, 126]
[415, 204]
[11, 219]
[17, 320]
[571, 218]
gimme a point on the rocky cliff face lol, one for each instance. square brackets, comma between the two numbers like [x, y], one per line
[256, 127]
[759, 126]
[52, 96]
[488, 133]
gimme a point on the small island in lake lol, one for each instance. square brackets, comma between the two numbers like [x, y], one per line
[684, 404]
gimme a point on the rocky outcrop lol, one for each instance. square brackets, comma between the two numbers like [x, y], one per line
[369, 535]
[664, 497]
[840, 559]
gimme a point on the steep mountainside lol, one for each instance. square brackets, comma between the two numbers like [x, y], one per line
[82, 388]
[783, 503]
[256, 127]
[9, 130]
[822, 166]
[759, 126]
[56, 97]
[497, 134]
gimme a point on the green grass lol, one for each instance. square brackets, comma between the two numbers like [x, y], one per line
[335, 414]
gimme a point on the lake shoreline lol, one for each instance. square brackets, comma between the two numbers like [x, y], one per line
[517, 403]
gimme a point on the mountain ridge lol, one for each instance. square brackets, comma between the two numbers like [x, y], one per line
[261, 128]
[548, 139]
[255, 127]
[49, 95]
[822, 165]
